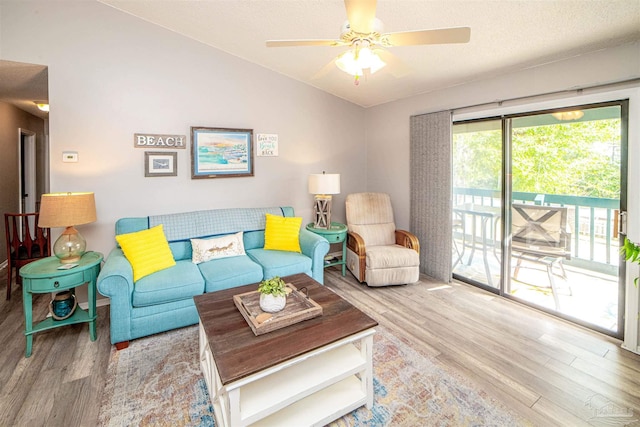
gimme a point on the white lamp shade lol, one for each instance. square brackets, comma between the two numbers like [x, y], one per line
[324, 183]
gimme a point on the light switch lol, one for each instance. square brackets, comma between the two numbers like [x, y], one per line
[70, 156]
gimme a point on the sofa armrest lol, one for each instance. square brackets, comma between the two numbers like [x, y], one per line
[408, 240]
[315, 247]
[116, 282]
[116, 276]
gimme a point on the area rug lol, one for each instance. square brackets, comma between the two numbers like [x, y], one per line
[157, 382]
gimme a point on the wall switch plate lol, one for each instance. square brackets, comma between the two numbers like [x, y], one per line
[70, 156]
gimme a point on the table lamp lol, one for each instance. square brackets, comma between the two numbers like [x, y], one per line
[323, 186]
[67, 210]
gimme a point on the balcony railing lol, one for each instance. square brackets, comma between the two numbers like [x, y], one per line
[594, 223]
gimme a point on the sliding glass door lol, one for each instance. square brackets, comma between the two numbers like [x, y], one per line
[549, 236]
[477, 193]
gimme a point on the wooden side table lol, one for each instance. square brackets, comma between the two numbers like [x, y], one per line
[336, 233]
[43, 276]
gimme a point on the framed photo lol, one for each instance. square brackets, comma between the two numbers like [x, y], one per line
[221, 153]
[160, 164]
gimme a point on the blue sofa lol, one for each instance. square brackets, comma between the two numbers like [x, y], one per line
[164, 300]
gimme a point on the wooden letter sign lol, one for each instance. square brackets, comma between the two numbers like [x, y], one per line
[149, 140]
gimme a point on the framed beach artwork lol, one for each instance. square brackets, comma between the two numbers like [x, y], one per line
[221, 153]
[160, 164]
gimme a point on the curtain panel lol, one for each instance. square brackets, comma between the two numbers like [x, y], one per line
[431, 193]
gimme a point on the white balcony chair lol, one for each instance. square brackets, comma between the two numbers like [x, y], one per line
[540, 236]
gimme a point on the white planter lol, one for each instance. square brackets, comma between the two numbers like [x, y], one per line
[272, 304]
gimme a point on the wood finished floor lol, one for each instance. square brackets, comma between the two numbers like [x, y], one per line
[546, 370]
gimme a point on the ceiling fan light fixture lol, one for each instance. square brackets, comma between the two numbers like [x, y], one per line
[369, 59]
[347, 63]
[354, 61]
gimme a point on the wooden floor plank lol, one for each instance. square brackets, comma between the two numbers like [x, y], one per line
[505, 347]
[558, 414]
[541, 368]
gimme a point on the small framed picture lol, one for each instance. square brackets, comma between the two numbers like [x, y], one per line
[221, 153]
[160, 164]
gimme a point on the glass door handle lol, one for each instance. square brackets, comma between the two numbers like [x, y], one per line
[622, 224]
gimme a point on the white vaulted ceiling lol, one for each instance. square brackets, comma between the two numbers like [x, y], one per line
[506, 35]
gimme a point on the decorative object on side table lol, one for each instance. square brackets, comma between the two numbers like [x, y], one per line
[67, 210]
[273, 294]
[323, 186]
[63, 305]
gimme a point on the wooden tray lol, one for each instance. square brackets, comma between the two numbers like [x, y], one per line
[298, 308]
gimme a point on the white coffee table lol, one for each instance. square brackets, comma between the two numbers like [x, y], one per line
[307, 374]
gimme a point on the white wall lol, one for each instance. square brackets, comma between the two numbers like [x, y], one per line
[112, 75]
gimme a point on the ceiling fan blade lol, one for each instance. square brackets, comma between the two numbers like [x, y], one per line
[361, 15]
[395, 66]
[331, 66]
[289, 43]
[442, 36]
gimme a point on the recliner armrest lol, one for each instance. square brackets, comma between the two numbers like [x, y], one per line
[408, 240]
[355, 243]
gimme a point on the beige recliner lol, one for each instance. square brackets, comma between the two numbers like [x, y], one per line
[377, 253]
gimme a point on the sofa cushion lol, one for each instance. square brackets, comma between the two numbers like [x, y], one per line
[218, 247]
[391, 256]
[181, 250]
[281, 263]
[147, 251]
[216, 222]
[282, 233]
[253, 239]
[172, 284]
[224, 273]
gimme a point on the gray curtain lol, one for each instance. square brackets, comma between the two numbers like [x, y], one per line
[430, 170]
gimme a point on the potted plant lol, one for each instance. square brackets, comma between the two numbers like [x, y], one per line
[273, 294]
[631, 252]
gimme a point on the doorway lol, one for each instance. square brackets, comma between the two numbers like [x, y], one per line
[27, 170]
[537, 198]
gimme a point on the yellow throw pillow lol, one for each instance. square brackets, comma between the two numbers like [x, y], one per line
[282, 233]
[147, 250]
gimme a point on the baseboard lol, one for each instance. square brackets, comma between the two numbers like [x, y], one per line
[631, 349]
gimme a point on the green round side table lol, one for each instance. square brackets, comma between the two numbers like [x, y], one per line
[43, 276]
[336, 233]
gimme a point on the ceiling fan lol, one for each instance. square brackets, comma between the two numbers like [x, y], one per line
[363, 32]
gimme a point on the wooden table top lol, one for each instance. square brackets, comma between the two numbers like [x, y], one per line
[238, 352]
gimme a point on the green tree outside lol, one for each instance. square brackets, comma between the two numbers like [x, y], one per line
[576, 159]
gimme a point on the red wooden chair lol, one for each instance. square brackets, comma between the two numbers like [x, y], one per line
[22, 246]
